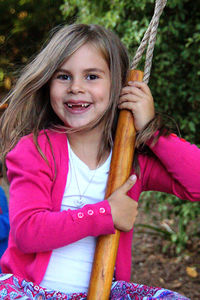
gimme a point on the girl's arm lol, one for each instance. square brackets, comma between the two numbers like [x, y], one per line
[175, 168]
[36, 222]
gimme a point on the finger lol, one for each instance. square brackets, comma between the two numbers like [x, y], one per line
[132, 90]
[127, 105]
[141, 85]
[129, 98]
[135, 204]
[129, 183]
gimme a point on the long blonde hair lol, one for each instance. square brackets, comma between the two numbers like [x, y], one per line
[29, 109]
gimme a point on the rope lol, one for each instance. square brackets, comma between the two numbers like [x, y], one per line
[150, 39]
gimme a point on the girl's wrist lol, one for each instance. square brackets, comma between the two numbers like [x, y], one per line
[151, 132]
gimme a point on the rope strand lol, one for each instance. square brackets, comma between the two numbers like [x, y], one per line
[150, 39]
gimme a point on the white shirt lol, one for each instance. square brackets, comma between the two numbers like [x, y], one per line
[69, 267]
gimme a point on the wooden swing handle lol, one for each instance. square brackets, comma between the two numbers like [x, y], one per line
[120, 168]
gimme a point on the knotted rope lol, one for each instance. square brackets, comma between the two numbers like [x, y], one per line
[150, 39]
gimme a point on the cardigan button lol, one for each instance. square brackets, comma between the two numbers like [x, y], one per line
[80, 215]
[102, 210]
[90, 212]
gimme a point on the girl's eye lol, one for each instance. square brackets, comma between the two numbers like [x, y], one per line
[63, 77]
[92, 77]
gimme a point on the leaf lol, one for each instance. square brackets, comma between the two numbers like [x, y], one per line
[192, 272]
[7, 83]
[176, 284]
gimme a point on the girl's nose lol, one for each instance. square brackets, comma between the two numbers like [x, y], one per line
[75, 87]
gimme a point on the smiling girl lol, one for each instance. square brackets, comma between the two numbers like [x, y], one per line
[57, 138]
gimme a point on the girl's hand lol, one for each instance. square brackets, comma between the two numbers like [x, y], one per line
[137, 97]
[123, 208]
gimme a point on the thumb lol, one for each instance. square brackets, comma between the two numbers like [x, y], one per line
[129, 183]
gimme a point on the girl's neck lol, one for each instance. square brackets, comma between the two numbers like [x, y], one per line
[86, 146]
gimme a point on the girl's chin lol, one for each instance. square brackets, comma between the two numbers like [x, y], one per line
[77, 125]
[84, 123]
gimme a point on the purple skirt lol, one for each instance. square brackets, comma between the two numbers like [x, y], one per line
[13, 287]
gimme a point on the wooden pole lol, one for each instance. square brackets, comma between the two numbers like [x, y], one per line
[121, 164]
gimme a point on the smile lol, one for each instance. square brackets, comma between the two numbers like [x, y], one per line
[78, 105]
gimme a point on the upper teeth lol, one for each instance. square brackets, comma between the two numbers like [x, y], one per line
[83, 105]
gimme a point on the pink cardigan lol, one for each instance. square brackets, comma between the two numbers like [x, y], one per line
[36, 190]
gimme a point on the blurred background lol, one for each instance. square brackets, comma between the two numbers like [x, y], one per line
[166, 249]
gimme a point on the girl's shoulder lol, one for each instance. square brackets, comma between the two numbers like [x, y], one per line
[48, 151]
[46, 138]
[49, 145]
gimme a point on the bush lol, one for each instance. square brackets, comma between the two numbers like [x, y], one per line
[175, 220]
[24, 24]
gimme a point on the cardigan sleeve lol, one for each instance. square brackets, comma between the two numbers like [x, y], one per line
[175, 168]
[35, 225]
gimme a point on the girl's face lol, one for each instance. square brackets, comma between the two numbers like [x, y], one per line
[80, 88]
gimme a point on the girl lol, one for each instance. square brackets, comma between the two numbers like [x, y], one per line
[57, 137]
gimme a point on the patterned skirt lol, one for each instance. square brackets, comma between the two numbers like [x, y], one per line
[13, 287]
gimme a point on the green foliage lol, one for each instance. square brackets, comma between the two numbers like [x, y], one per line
[175, 77]
[24, 24]
[177, 220]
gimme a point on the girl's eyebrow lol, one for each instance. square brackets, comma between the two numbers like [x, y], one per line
[85, 70]
[94, 70]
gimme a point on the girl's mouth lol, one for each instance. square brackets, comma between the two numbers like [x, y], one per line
[77, 107]
[85, 105]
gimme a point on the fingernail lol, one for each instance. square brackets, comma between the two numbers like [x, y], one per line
[133, 177]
